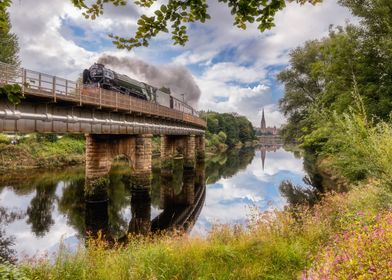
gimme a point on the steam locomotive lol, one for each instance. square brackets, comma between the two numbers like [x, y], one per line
[100, 76]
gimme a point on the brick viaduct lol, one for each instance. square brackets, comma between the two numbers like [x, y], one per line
[114, 124]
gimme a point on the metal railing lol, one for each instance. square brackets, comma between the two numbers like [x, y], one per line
[58, 89]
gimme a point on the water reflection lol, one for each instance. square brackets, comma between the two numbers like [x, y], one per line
[266, 149]
[53, 204]
[180, 206]
[230, 195]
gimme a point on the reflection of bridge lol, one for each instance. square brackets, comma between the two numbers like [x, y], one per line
[183, 209]
[265, 149]
[180, 211]
[270, 140]
[114, 124]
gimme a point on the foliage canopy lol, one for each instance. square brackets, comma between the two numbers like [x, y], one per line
[227, 128]
[332, 73]
[174, 16]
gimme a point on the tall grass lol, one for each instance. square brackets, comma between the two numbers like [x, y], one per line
[275, 245]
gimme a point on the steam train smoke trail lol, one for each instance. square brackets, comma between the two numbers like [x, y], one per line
[175, 77]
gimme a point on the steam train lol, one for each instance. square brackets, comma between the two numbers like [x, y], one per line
[100, 76]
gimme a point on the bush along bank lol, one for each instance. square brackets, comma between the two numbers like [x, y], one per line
[40, 151]
[227, 130]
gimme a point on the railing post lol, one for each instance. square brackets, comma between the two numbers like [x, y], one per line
[116, 101]
[80, 95]
[100, 98]
[6, 74]
[130, 104]
[54, 88]
[24, 81]
[66, 87]
[39, 81]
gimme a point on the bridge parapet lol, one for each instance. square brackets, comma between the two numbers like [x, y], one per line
[55, 89]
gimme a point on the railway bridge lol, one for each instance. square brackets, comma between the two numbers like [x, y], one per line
[114, 124]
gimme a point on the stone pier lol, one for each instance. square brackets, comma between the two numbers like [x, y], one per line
[178, 145]
[101, 151]
[200, 146]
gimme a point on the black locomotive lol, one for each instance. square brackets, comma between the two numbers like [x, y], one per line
[100, 76]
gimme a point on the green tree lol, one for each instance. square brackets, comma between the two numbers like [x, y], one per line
[8, 52]
[302, 88]
[9, 41]
[174, 16]
[245, 129]
[222, 136]
[324, 73]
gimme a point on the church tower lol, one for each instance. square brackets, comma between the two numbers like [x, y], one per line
[263, 125]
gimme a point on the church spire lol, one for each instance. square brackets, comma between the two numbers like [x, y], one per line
[263, 125]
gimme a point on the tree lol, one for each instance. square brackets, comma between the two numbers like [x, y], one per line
[176, 14]
[324, 74]
[8, 52]
[9, 41]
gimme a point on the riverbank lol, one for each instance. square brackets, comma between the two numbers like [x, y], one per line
[39, 152]
[34, 152]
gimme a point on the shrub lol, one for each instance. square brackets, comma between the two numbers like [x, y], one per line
[4, 139]
[363, 251]
[11, 272]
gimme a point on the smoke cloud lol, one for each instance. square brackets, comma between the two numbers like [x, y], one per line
[173, 76]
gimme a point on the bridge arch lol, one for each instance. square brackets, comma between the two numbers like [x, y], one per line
[101, 151]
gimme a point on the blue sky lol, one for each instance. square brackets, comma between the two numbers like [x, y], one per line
[234, 69]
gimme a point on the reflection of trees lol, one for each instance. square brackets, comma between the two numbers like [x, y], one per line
[228, 164]
[72, 204]
[313, 177]
[6, 242]
[40, 209]
[24, 183]
[297, 195]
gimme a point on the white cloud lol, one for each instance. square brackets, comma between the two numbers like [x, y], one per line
[230, 72]
[225, 57]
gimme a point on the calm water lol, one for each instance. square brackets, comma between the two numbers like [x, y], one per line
[38, 210]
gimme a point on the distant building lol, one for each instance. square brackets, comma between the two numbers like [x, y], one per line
[263, 125]
[264, 130]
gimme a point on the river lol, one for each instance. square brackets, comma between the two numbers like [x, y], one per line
[39, 210]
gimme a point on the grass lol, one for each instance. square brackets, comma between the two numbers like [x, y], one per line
[34, 152]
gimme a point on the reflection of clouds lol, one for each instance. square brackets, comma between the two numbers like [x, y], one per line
[11, 200]
[229, 200]
[26, 243]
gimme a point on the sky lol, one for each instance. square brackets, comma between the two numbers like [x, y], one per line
[235, 69]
